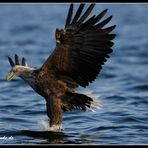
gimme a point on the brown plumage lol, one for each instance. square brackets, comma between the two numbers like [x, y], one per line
[82, 47]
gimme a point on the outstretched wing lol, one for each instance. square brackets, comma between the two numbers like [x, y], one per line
[82, 47]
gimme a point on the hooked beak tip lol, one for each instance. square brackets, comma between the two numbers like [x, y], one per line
[10, 76]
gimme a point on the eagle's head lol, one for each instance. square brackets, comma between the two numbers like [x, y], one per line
[19, 69]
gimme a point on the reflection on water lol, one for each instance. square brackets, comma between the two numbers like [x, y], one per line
[51, 137]
[122, 86]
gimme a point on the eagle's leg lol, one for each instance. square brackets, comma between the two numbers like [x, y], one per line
[54, 113]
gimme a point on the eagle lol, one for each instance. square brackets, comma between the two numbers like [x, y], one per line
[82, 48]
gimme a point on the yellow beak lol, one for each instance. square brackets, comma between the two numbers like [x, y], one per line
[10, 76]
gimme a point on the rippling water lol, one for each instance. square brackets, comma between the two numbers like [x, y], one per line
[122, 86]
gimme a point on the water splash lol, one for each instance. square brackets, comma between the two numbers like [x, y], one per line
[44, 124]
[56, 128]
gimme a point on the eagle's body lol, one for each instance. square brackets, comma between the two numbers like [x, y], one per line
[81, 49]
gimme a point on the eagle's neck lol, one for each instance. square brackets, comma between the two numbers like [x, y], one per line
[29, 76]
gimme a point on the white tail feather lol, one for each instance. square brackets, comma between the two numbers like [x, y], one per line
[96, 104]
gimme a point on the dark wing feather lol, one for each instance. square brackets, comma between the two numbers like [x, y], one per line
[16, 59]
[78, 13]
[103, 23]
[11, 62]
[83, 48]
[86, 14]
[68, 20]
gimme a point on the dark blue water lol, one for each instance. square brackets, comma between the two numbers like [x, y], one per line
[122, 86]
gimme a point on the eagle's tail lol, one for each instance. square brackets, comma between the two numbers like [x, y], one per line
[74, 100]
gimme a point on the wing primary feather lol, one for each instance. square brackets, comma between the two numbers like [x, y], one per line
[88, 23]
[78, 13]
[103, 23]
[109, 29]
[16, 59]
[68, 20]
[100, 16]
[85, 15]
[11, 62]
[24, 62]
